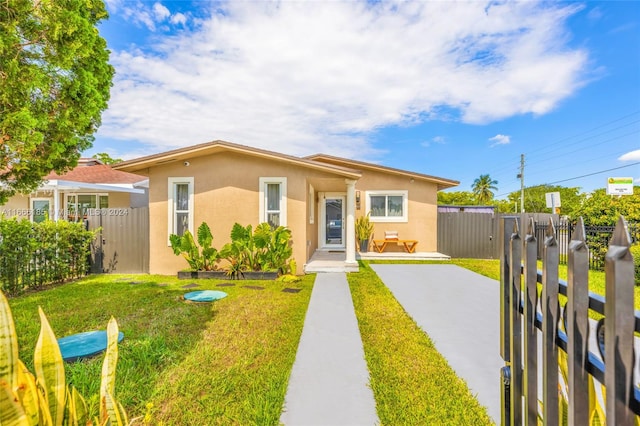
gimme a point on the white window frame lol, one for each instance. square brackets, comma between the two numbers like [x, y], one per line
[171, 204]
[263, 181]
[32, 210]
[75, 195]
[390, 219]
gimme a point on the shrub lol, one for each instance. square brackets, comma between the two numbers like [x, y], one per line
[265, 249]
[635, 252]
[33, 255]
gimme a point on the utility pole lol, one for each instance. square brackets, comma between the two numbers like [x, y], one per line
[521, 177]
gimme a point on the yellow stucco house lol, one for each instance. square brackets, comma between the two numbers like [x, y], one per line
[318, 198]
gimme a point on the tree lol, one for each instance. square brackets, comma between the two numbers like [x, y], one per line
[457, 198]
[54, 84]
[483, 188]
[106, 158]
[599, 208]
[535, 200]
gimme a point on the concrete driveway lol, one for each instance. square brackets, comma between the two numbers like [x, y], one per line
[460, 311]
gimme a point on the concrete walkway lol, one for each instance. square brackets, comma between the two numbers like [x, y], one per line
[460, 311]
[329, 382]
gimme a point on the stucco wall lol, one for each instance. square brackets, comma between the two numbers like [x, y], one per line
[422, 209]
[226, 187]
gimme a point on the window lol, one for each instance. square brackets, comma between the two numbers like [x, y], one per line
[388, 206]
[78, 204]
[40, 209]
[180, 205]
[273, 201]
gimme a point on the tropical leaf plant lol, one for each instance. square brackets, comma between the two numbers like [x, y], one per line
[201, 256]
[45, 398]
[263, 249]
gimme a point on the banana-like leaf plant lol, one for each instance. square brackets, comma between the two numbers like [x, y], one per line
[201, 256]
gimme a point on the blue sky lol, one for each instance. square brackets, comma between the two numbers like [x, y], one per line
[451, 89]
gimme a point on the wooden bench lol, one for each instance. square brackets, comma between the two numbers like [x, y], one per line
[409, 245]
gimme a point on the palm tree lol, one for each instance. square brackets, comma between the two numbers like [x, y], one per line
[483, 188]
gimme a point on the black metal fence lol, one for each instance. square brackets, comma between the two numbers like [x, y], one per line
[597, 239]
[575, 375]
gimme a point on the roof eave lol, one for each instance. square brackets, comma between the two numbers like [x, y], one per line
[140, 164]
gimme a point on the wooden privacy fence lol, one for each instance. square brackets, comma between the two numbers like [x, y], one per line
[573, 372]
[122, 245]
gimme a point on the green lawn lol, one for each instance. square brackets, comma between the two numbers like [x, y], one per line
[222, 363]
[412, 383]
[229, 362]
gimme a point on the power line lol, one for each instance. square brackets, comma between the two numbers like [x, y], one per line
[573, 178]
[595, 173]
[552, 147]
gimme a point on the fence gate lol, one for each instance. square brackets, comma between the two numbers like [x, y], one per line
[122, 245]
[541, 333]
[467, 235]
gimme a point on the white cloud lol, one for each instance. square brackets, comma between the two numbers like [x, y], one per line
[160, 12]
[630, 156]
[303, 77]
[141, 14]
[500, 140]
[178, 19]
[440, 140]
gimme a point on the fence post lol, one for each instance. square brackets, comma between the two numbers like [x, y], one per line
[550, 313]
[530, 375]
[515, 321]
[576, 310]
[507, 224]
[619, 327]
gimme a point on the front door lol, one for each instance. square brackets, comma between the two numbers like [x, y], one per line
[333, 228]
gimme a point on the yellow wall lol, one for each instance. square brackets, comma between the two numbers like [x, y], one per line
[226, 189]
[422, 209]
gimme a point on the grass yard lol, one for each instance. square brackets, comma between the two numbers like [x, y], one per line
[412, 383]
[222, 363]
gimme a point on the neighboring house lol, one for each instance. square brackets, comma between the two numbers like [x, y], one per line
[90, 185]
[317, 198]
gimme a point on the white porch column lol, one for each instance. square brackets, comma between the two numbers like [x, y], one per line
[56, 203]
[351, 222]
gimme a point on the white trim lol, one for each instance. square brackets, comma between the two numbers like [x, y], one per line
[322, 219]
[33, 209]
[171, 183]
[389, 219]
[262, 211]
[68, 185]
[75, 196]
[350, 237]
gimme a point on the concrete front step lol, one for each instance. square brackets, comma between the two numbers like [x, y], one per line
[319, 267]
